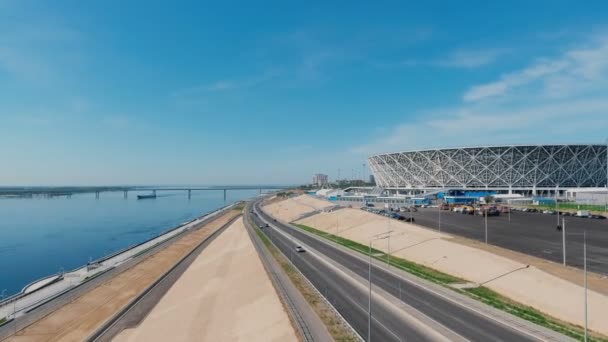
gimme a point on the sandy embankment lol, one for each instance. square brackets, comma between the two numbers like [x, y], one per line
[293, 208]
[76, 320]
[531, 286]
[225, 295]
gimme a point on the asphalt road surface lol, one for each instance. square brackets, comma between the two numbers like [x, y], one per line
[462, 321]
[530, 233]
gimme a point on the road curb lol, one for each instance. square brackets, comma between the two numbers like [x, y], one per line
[343, 321]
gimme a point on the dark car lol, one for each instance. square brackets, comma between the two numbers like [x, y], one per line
[407, 219]
[394, 216]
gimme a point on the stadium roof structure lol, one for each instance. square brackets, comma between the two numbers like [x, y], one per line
[494, 167]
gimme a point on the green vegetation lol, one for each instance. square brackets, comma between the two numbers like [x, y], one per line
[482, 294]
[408, 266]
[569, 206]
[2, 320]
[334, 325]
[284, 194]
[528, 313]
[239, 207]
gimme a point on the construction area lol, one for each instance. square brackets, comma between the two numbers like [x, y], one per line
[225, 295]
[549, 292]
[227, 279]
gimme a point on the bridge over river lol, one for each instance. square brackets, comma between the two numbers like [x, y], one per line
[68, 191]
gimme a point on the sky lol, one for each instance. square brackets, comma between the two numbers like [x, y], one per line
[270, 92]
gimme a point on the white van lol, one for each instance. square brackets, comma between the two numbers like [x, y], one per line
[582, 213]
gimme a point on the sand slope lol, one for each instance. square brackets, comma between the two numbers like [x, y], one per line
[532, 286]
[225, 295]
[293, 208]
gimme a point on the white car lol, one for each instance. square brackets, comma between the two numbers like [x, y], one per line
[300, 249]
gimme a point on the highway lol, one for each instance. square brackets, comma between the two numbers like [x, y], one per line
[346, 297]
[466, 324]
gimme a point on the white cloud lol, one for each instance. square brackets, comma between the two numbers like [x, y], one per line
[575, 70]
[467, 59]
[225, 85]
[544, 123]
[563, 99]
[471, 58]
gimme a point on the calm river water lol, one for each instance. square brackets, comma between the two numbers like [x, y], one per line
[41, 236]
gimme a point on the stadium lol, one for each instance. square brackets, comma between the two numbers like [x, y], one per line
[521, 169]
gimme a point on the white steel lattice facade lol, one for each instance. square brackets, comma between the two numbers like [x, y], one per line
[495, 167]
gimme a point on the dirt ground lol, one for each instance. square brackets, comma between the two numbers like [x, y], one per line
[595, 282]
[294, 207]
[500, 271]
[77, 320]
[225, 295]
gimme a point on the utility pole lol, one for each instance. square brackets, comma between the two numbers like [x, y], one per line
[486, 219]
[564, 239]
[585, 266]
[363, 173]
[369, 302]
[439, 208]
[556, 206]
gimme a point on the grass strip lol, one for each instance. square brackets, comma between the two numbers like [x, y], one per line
[481, 293]
[408, 266]
[569, 206]
[2, 320]
[333, 323]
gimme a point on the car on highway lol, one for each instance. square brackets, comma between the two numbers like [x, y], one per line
[549, 212]
[300, 249]
[406, 219]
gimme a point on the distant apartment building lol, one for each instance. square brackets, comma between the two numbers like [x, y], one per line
[319, 179]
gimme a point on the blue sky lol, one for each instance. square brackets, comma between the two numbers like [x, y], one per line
[151, 92]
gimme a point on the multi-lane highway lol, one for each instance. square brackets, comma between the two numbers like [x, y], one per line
[455, 321]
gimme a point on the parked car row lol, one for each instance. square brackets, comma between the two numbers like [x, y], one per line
[578, 213]
[392, 213]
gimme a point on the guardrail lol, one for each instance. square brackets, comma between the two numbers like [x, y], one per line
[20, 295]
[271, 269]
[343, 320]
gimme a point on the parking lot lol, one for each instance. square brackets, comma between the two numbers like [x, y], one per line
[530, 233]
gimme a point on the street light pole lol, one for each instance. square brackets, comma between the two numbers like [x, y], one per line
[369, 303]
[439, 208]
[564, 239]
[486, 224]
[585, 266]
[556, 206]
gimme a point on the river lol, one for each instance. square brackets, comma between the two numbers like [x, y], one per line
[41, 236]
